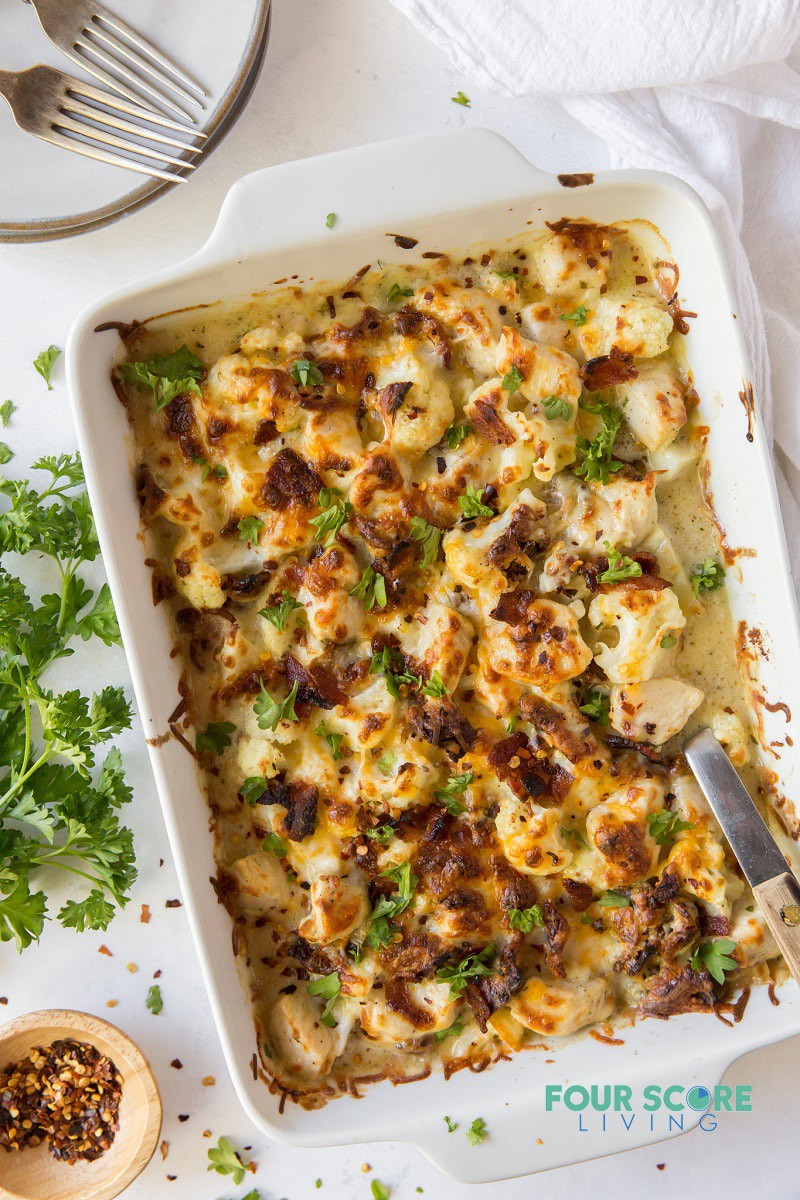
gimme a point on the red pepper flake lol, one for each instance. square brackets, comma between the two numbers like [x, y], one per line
[177, 1064]
[3, 999]
[145, 914]
[104, 950]
[173, 904]
[157, 974]
[660, 1166]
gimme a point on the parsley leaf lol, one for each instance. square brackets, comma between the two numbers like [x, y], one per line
[596, 706]
[6, 409]
[454, 435]
[448, 794]
[250, 529]
[328, 988]
[396, 292]
[45, 362]
[154, 999]
[576, 318]
[379, 1190]
[430, 537]
[253, 789]
[371, 589]
[386, 761]
[452, 1126]
[434, 687]
[336, 511]
[619, 567]
[381, 834]
[524, 919]
[612, 899]
[707, 576]
[556, 409]
[277, 614]
[226, 1161]
[6, 453]
[666, 825]
[452, 1030]
[716, 958]
[381, 931]
[216, 737]
[461, 99]
[275, 845]
[598, 462]
[459, 974]
[472, 506]
[512, 382]
[388, 661]
[477, 1132]
[334, 740]
[165, 375]
[330, 220]
[305, 373]
[668, 641]
[270, 713]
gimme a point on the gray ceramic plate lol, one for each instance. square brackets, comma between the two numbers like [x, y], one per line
[48, 193]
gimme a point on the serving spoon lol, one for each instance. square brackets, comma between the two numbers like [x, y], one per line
[776, 890]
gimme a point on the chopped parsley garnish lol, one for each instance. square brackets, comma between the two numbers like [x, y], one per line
[215, 471]
[668, 641]
[6, 409]
[430, 537]
[253, 789]
[396, 292]
[334, 740]
[666, 825]
[472, 506]
[388, 661]
[716, 958]
[381, 834]
[6, 453]
[452, 1030]
[619, 567]
[505, 274]
[598, 462]
[612, 899]
[250, 529]
[226, 1161]
[44, 364]
[456, 786]
[275, 845]
[270, 713]
[556, 409]
[305, 373]
[575, 318]
[452, 1126]
[328, 989]
[277, 614]
[379, 1190]
[386, 762]
[154, 999]
[512, 382]
[596, 707]
[461, 99]
[574, 835]
[477, 1132]
[511, 723]
[707, 576]
[381, 930]
[330, 220]
[434, 687]
[524, 919]
[216, 736]
[336, 511]
[454, 435]
[371, 589]
[165, 375]
[459, 974]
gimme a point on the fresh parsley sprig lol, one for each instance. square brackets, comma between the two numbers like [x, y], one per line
[619, 567]
[335, 513]
[598, 461]
[525, 919]
[278, 614]
[56, 808]
[459, 974]
[472, 506]
[707, 576]
[716, 958]
[270, 713]
[430, 537]
[448, 793]
[666, 825]
[597, 706]
[328, 988]
[371, 589]
[165, 375]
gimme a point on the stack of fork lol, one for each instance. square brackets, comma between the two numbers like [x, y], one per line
[127, 125]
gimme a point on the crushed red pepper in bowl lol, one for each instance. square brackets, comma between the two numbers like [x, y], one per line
[66, 1094]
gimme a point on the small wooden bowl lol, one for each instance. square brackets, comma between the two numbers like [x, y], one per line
[33, 1174]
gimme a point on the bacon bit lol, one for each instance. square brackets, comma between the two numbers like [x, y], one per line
[183, 1117]
[208, 1081]
[104, 950]
[173, 904]
[156, 974]
[404, 243]
[254, 1066]
[3, 999]
[177, 1064]
[608, 370]
[660, 1166]
[581, 179]
[773, 999]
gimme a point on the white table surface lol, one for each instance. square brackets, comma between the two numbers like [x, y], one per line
[338, 73]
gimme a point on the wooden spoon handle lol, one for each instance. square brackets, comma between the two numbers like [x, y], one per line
[779, 900]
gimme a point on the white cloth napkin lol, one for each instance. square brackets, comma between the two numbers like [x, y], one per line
[706, 89]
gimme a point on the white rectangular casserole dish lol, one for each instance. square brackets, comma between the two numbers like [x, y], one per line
[447, 190]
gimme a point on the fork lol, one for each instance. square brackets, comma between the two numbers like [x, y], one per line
[69, 113]
[107, 47]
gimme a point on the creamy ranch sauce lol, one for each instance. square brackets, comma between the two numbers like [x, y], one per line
[555, 804]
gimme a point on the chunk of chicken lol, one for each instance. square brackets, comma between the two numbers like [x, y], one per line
[576, 259]
[338, 906]
[416, 1008]
[415, 416]
[641, 620]
[297, 1036]
[262, 883]
[562, 1006]
[636, 325]
[543, 646]
[622, 512]
[654, 710]
[531, 837]
[654, 404]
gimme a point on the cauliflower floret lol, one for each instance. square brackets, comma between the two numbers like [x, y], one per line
[618, 831]
[475, 556]
[473, 326]
[250, 391]
[531, 837]
[754, 941]
[636, 325]
[698, 859]
[440, 640]
[542, 324]
[539, 643]
[413, 401]
[576, 259]
[622, 512]
[654, 710]
[562, 1006]
[428, 1008]
[338, 906]
[331, 441]
[640, 618]
[654, 404]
